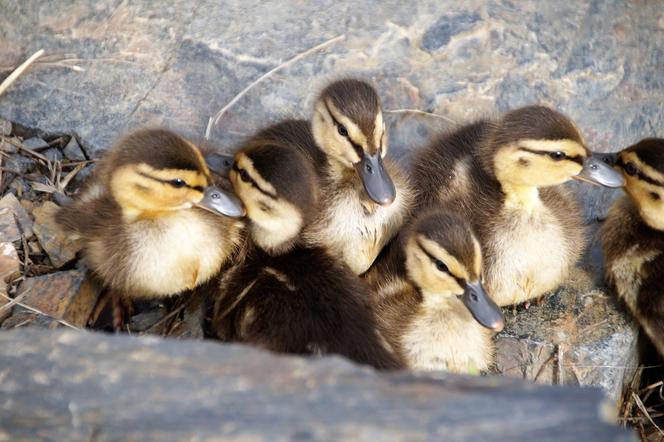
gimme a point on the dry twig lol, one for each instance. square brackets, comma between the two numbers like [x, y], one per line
[214, 120]
[19, 70]
[420, 112]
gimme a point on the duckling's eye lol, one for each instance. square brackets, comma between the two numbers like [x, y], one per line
[342, 130]
[558, 155]
[177, 182]
[244, 176]
[631, 169]
[440, 265]
[655, 196]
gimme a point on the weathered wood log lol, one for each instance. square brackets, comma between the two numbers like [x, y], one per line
[69, 385]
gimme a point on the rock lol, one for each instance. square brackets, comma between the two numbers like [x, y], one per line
[35, 143]
[5, 127]
[442, 31]
[460, 59]
[63, 295]
[53, 154]
[143, 321]
[127, 388]
[576, 337]
[9, 262]
[73, 151]
[25, 223]
[18, 163]
[9, 147]
[58, 247]
[5, 309]
[9, 231]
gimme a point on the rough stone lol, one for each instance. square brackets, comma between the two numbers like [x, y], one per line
[5, 127]
[9, 201]
[576, 336]
[53, 154]
[35, 143]
[9, 231]
[9, 262]
[63, 295]
[8, 147]
[127, 388]
[58, 247]
[177, 66]
[73, 151]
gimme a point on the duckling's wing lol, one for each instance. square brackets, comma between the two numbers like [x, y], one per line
[650, 302]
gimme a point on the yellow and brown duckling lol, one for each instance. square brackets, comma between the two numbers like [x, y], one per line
[430, 302]
[286, 296]
[633, 237]
[365, 198]
[504, 176]
[149, 221]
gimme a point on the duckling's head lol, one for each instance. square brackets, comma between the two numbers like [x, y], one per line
[535, 146]
[643, 168]
[152, 172]
[348, 126]
[279, 189]
[444, 260]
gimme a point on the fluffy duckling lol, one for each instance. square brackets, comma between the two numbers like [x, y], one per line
[288, 297]
[633, 237]
[365, 198]
[504, 176]
[431, 305]
[149, 221]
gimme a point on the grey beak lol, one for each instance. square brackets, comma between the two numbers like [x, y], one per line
[221, 202]
[482, 307]
[377, 182]
[597, 170]
[220, 163]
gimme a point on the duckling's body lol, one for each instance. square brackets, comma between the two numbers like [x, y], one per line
[633, 238]
[288, 296]
[418, 286]
[140, 237]
[504, 176]
[365, 198]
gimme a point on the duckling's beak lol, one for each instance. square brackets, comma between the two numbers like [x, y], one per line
[482, 307]
[220, 163]
[377, 182]
[221, 202]
[597, 170]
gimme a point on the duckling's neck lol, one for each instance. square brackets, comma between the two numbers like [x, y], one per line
[132, 214]
[653, 218]
[521, 197]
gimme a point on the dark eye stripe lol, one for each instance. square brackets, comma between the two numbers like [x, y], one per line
[357, 147]
[642, 176]
[171, 183]
[254, 183]
[433, 259]
[577, 158]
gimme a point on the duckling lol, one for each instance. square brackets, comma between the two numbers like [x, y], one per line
[288, 296]
[150, 224]
[633, 237]
[431, 305]
[504, 176]
[365, 198]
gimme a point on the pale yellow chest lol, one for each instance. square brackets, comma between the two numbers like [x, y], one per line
[447, 338]
[528, 254]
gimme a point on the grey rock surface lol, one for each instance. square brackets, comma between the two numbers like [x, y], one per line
[69, 385]
[574, 337]
[112, 65]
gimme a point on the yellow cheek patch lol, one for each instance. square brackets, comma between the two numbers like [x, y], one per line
[243, 162]
[478, 257]
[191, 177]
[457, 269]
[650, 172]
